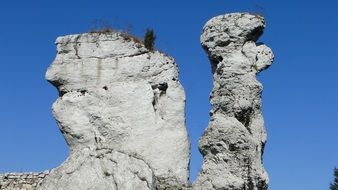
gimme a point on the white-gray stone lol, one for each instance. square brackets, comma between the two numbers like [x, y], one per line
[21, 181]
[119, 98]
[121, 111]
[103, 169]
[232, 146]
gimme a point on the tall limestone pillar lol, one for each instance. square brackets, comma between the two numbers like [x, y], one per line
[232, 146]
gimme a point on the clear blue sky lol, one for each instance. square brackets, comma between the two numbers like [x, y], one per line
[300, 98]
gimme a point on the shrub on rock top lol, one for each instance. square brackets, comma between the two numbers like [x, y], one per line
[149, 39]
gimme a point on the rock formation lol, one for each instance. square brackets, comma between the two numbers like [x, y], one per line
[232, 146]
[121, 111]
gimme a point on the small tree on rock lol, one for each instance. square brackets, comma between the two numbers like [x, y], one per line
[334, 184]
[149, 39]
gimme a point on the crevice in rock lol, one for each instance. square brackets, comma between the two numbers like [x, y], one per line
[155, 101]
[142, 179]
[163, 87]
[135, 55]
[83, 92]
[245, 116]
[159, 90]
[75, 46]
[63, 51]
[255, 34]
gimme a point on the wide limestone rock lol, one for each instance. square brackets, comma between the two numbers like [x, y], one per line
[232, 146]
[121, 111]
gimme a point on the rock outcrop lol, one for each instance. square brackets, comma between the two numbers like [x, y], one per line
[121, 111]
[232, 146]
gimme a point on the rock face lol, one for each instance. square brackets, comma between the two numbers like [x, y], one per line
[232, 146]
[121, 111]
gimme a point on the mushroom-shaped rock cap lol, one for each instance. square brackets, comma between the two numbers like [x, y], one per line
[234, 28]
[231, 38]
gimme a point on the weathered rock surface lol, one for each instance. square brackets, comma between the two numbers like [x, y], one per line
[232, 146]
[21, 181]
[121, 111]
